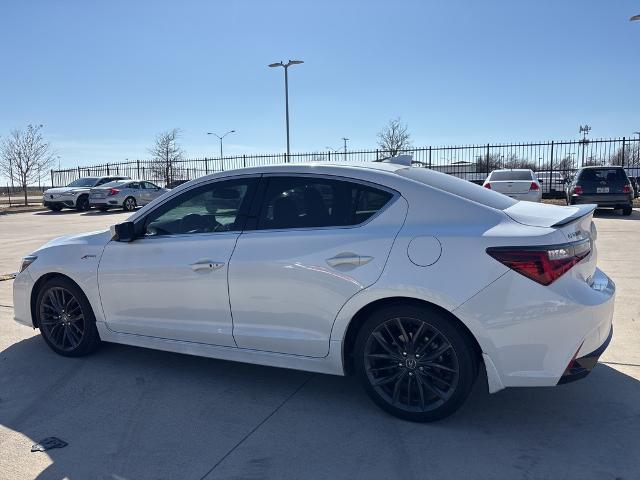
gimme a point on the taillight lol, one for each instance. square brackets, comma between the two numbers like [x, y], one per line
[534, 186]
[542, 264]
[487, 185]
[626, 189]
[577, 190]
[113, 191]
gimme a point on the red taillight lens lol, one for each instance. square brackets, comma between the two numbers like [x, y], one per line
[487, 185]
[626, 189]
[534, 186]
[578, 190]
[113, 191]
[543, 265]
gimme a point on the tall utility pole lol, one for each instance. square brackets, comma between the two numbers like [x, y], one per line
[584, 130]
[344, 139]
[286, 92]
[220, 138]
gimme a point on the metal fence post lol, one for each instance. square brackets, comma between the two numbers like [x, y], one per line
[79, 174]
[624, 147]
[488, 169]
[138, 168]
[9, 194]
[206, 166]
[244, 161]
[429, 157]
[107, 169]
[551, 167]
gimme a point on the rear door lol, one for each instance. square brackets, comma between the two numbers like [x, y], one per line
[315, 242]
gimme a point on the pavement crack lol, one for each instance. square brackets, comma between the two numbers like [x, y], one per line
[6, 306]
[254, 429]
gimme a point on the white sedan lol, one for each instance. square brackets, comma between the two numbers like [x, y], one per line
[407, 278]
[517, 183]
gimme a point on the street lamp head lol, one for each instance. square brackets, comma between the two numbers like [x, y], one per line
[210, 133]
[279, 64]
[635, 18]
[295, 62]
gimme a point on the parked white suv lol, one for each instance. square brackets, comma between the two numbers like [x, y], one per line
[76, 194]
[517, 183]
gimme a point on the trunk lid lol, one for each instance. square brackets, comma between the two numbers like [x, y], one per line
[511, 186]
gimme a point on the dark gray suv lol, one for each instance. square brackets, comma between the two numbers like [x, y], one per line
[608, 187]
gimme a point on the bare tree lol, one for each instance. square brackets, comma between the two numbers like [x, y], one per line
[167, 154]
[23, 155]
[394, 138]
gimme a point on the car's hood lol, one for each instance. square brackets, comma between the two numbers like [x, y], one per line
[97, 238]
[66, 189]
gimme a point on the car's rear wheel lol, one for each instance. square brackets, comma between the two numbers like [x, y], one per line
[65, 318]
[82, 204]
[129, 204]
[627, 210]
[415, 363]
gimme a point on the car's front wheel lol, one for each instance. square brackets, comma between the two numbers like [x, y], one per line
[65, 318]
[628, 210]
[415, 363]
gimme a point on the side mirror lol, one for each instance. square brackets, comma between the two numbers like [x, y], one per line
[124, 232]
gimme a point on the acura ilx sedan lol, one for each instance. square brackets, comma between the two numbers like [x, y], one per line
[406, 278]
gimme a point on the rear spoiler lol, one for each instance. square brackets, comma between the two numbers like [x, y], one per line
[582, 211]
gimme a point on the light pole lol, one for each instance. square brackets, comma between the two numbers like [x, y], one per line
[220, 138]
[286, 92]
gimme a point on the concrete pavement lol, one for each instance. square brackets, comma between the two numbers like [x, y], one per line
[132, 413]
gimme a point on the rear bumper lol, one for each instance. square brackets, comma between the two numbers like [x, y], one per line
[604, 200]
[531, 333]
[581, 367]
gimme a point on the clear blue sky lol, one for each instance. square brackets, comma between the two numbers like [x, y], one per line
[105, 77]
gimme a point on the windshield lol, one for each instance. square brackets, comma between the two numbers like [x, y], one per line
[508, 175]
[457, 186]
[84, 182]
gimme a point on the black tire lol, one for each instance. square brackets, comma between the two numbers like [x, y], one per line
[627, 210]
[441, 384]
[55, 208]
[103, 209]
[82, 204]
[129, 204]
[65, 318]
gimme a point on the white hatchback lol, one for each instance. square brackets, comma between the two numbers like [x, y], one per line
[408, 278]
[518, 183]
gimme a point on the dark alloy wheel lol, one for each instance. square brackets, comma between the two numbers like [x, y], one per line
[129, 204]
[414, 363]
[82, 204]
[65, 318]
[628, 210]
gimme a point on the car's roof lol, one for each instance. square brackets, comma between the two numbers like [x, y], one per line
[604, 167]
[512, 170]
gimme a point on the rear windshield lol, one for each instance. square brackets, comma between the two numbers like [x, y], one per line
[458, 186]
[609, 175]
[84, 182]
[499, 175]
[114, 184]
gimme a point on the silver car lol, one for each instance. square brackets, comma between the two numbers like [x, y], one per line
[125, 194]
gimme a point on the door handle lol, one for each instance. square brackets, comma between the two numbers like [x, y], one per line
[348, 259]
[206, 265]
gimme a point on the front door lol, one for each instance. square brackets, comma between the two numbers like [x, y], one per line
[172, 281]
[316, 243]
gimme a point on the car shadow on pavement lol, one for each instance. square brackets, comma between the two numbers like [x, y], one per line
[610, 213]
[66, 211]
[133, 413]
[111, 211]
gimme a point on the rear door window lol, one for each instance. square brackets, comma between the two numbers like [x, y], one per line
[309, 202]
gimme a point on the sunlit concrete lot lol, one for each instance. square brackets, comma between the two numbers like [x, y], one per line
[130, 413]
